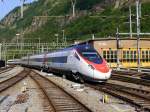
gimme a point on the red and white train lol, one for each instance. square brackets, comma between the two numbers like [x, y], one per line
[81, 61]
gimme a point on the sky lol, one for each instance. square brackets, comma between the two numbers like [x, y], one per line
[7, 5]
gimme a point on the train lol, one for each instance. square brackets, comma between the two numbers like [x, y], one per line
[2, 63]
[119, 51]
[12, 62]
[80, 61]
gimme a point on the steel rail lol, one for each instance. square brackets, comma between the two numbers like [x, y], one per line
[128, 79]
[5, 70]
[58, 97]
[137, 97]
[13, 80]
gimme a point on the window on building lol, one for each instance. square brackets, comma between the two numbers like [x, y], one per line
[104, 54]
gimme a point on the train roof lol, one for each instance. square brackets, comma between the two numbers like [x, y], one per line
[11, 60]
[76, 46]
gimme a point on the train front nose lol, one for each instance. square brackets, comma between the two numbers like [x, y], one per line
[102, 76]
[102, 72]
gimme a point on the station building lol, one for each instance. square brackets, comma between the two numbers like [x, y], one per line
[127, 51]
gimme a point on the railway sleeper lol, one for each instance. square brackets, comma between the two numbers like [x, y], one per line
[56, 98]
[56, 92]
[59, 98]
[70, 109]
[61, 104]
[131, 91]
[63, 101]
[68, 106]
[73, 111]
[127, 98]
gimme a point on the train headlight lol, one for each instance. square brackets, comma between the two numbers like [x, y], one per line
[91, 67]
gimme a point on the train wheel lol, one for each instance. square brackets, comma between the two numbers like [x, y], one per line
[81, 79]
[64, 76]
[103, 83]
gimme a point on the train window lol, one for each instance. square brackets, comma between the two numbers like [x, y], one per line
[62, 59]
[39, 59]
[49, 59]
[92, 56]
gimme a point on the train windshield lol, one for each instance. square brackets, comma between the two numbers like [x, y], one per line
[91, 55]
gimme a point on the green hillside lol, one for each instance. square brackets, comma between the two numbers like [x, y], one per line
[102, 23]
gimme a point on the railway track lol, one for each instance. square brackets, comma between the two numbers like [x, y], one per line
[140, 98]
[5, 70]
[131, 73]
[60, 100]
[128, 79]
[13, 80]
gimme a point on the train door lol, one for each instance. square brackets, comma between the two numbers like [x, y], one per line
[72, 62]
[45, 61]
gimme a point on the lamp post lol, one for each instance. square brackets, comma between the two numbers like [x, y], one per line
[138, 34]
[56, 35]
[117, 45]
[130, 21]
[18, 34]
[63, 31]
[73, 2]
[39, 44]
[64, 38]
[22, 9]
[0, 51]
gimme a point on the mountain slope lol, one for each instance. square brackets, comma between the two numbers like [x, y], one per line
[45, 18]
